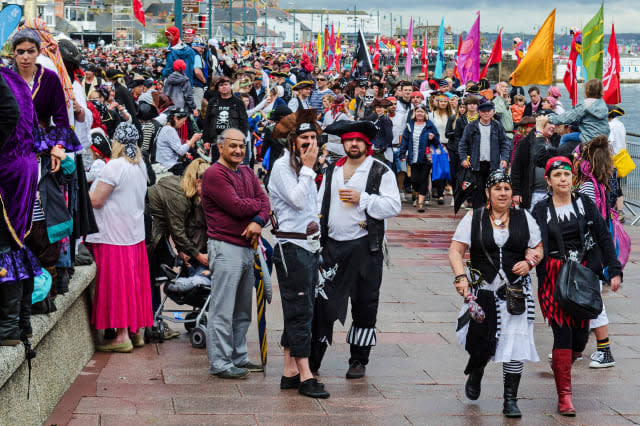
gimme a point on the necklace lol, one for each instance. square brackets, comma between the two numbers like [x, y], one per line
[498, 221]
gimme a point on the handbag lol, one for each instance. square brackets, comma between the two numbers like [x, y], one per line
[513, 292]
[577, 289]
[623, 163]
[441, 169]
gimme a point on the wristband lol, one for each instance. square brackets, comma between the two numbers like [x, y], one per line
[458, 278]
[531, 264]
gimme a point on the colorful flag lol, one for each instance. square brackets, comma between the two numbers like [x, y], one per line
[362, 61]
[570, 79]
[611, 78]
[455, 63]
[319, 56]
[138, 11]
[495, 57]
[440, 60]
[425, 56]
[469, 54]
[593, 45]
[338, 49]
[331, 49]
[407, 64]
[537, 65]
[518, 47]
[376, 54]
[325, 45]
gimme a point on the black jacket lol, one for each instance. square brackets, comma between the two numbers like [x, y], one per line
[238, 119]
[523, 167]
[469, 145]
[450, 133]
[601, 255]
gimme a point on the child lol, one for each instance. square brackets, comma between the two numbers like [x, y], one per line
[517, 109]
[101, 151]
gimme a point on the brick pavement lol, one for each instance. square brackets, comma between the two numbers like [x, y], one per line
[415, 375]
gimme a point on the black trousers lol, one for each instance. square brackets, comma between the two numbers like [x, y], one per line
[359, 277]
[568, 337]
[297, 290]
[15, 309]
[479, 197]
[420, 177]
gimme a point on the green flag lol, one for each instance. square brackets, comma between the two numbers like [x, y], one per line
[593, 45]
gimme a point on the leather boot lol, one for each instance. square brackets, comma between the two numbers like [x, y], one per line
[63, 281]
[472, 387]
[25, 309]
[511, 383]
[562, 359]
[318, 350]
[10, 297]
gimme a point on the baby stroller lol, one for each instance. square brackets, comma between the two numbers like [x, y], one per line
[188, 286]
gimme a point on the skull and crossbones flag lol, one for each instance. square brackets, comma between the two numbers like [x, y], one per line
[362, 62]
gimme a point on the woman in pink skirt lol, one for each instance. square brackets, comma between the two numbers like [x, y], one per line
[122, 295]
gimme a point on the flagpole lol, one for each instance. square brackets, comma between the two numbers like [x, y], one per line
[500, 63]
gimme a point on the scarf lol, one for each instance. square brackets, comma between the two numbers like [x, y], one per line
[49, 47]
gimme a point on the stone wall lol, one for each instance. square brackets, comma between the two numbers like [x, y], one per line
[64, 344]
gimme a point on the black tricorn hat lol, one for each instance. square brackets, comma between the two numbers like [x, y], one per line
[357, 128]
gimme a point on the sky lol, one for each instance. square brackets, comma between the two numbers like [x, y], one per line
[513, 15]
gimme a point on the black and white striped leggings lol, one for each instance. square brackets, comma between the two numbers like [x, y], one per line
[513, 367]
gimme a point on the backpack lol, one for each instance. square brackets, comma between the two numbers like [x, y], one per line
[621, 240]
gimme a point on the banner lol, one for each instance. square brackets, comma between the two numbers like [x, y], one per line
[362, 60]
[537, 65]
[440, 58]
[9, 18]
[611, 78]
[495, 57]
[138, 11]
[407, 64]
[570, 78]
[593, 45]
[425, 57]
[469, 57]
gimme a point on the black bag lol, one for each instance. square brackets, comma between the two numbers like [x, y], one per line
[577, 287]
[513, 292]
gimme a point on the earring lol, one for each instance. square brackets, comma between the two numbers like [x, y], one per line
[488, 205]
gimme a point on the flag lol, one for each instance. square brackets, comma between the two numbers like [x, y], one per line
[331, 45]
[396, 45]
[570, 78]
[611, 78]
[376, 54]
[537, 65]
[319, 57]
[362, 61]
[325, 45]
[469, 54]
[407, 64]
[440, 60]
[593, 45]
[263, 286]
[519, 49]
[425, 56]
[138, 11]
[495, 57]
[338, 49]
[455, 64]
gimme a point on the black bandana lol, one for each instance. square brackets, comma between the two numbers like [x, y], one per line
[496, 177]
[127, 134]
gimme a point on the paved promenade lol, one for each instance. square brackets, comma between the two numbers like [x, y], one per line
[415, 375]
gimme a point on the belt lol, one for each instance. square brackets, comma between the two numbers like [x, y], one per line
[294, 235]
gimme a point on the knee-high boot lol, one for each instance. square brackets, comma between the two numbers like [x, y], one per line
[472, 387]
[511, 383]
[562, 360]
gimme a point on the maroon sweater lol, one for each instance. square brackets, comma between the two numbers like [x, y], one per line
[231, 200]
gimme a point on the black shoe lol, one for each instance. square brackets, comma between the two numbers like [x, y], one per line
[233, 373]
[440, 201]
[356, 370]
[290, 382]
[511, 383]
[472, 387]
[253, 368]
[313, 389]
[318, 350]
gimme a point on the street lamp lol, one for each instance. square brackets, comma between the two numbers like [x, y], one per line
[293, 7]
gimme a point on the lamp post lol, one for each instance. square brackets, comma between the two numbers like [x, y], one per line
[230, 20]
[293, 38]
[244, 21]
[210, 19]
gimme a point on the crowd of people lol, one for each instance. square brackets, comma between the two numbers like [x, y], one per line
[198, 147]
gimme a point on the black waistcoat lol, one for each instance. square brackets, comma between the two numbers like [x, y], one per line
[512, 252]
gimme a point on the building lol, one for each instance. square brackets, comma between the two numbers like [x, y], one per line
[286, 24]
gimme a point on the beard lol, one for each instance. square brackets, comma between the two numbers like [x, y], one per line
[355, 156]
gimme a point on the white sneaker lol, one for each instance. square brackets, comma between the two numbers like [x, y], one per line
[602, 359]
[415, 203]
[403, 198]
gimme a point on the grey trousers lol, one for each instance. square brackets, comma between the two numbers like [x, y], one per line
[230, 308]
[198, 95]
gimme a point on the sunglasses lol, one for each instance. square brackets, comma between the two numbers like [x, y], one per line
[322, 79]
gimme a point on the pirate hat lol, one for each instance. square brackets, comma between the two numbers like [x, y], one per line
[615, 111]
[303, 85]
[348, 129]
[301, 121]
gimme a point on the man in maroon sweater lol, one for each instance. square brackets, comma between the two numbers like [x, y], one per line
[236, 209]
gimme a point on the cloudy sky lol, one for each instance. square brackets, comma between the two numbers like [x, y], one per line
[513, 15]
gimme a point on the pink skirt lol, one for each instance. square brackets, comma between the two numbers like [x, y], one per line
[123, 291]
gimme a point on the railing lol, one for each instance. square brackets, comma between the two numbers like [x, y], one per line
[631, 183]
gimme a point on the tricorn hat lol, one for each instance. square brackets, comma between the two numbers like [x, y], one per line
[301, 121]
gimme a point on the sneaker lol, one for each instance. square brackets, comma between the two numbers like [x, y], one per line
[169, 333]
[452, 202]
[415, 203]
[233, 373]
[403, 198]
[356, 370]
[253, 368]
[602, 359]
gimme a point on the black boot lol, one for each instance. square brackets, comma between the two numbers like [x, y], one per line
[25, 309]
[318, 350]
[511, 383]
[63, 281]
[472, 387]
[10, 297]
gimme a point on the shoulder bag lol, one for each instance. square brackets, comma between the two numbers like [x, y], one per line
[577, 287]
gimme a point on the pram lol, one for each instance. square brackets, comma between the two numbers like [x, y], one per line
[183, 290]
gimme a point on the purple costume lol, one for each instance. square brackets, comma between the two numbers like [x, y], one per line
[49, 101]
[19, 182]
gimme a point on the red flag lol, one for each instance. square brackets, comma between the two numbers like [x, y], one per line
[138, 11]
[397, 47]
[611, 77]
[455, 67]
[376, 54]
[495, 57]
[570, 80]
[425, 56]
[325, 44]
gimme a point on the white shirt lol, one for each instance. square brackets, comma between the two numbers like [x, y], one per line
[399, 121]
[294, 199]
[345, 218]
[121, 219]
[169, 147]
[617, 135]
[296, 102]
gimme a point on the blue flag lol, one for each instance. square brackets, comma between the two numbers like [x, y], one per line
[440, 60]
[9, 19]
